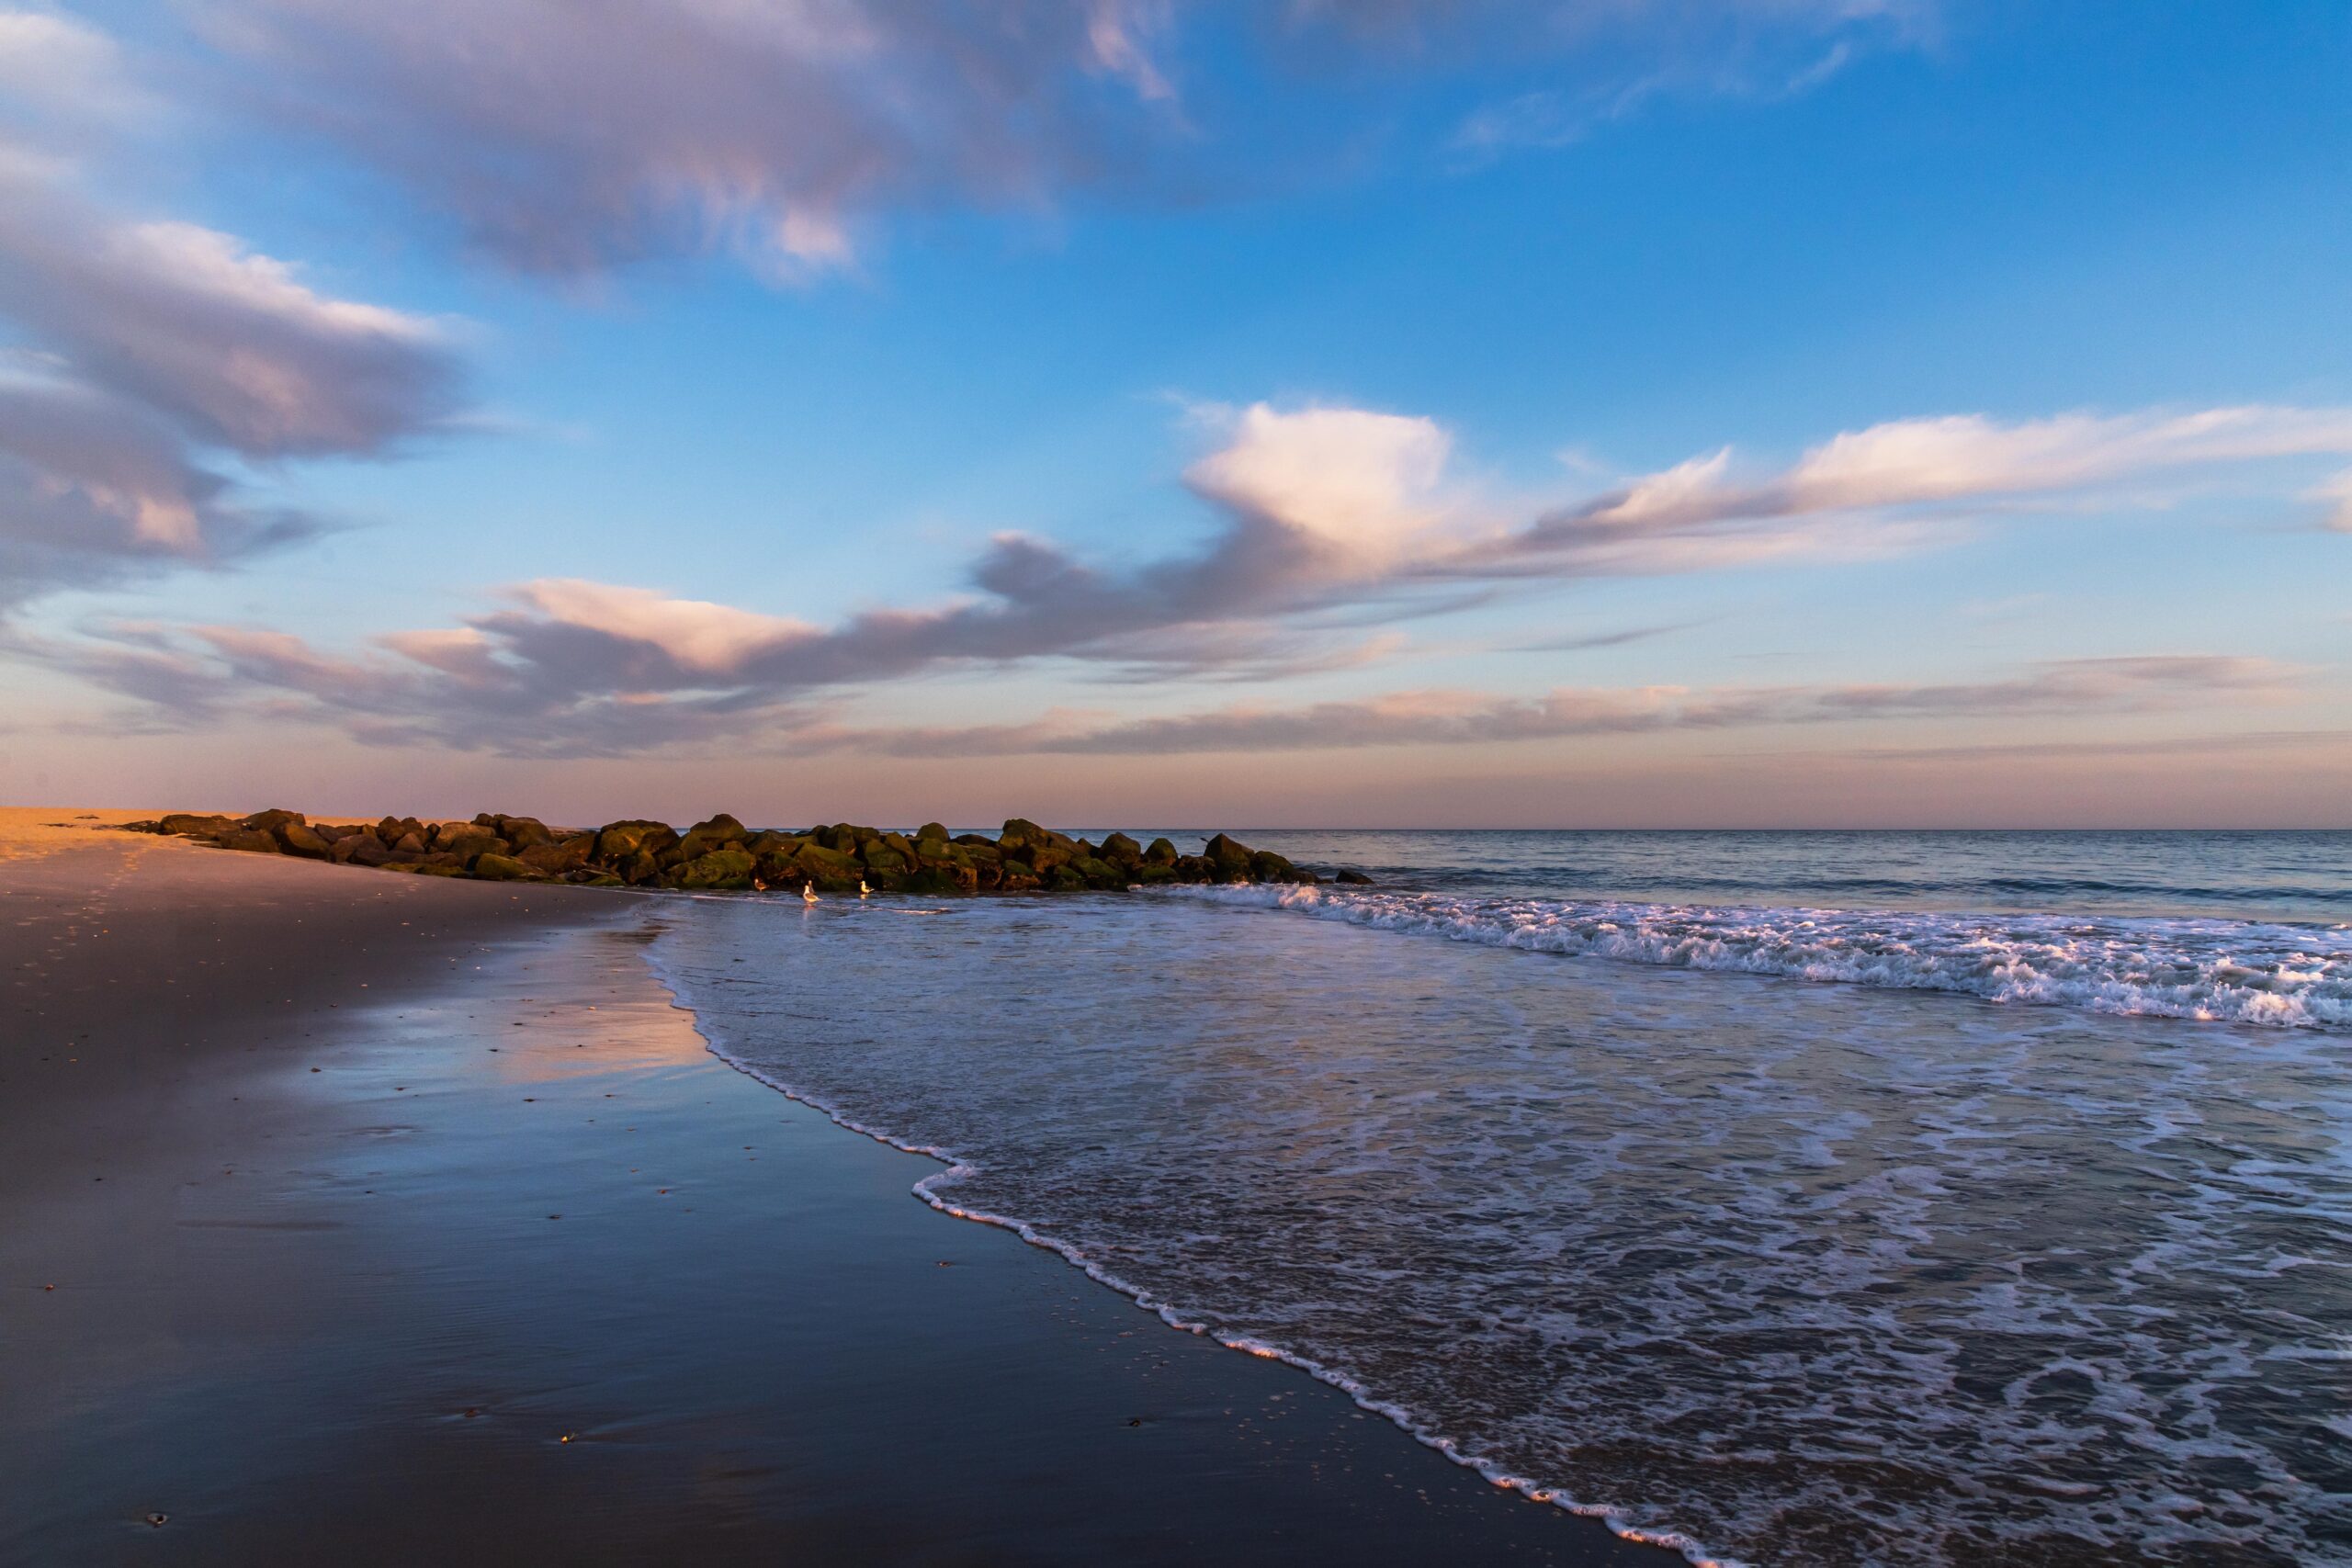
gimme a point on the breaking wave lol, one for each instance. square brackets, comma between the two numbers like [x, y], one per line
[2278, 974]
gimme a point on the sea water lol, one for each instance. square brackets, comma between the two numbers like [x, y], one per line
[1785, 1198]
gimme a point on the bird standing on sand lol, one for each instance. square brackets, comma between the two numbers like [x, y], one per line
[807, 891]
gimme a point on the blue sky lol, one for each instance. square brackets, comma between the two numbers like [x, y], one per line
[1806, 412]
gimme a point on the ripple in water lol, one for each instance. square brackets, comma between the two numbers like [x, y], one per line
[1808, 1274]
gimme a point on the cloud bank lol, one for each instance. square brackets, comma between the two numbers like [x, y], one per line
[1327, 518]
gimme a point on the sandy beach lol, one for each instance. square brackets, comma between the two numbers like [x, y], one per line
[355, 1217]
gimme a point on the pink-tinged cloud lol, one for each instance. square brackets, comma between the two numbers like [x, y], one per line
[567, 137]
[1423, 718]
[142, 350]
[1867, 485]
[1329, 516]
[2334, 497]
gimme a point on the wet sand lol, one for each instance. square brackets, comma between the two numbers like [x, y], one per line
[354, 1217]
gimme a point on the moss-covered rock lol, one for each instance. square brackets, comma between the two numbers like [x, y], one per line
[618, 840]
[728, 869]
[1098, 873]
[555, 859]
[1161, 852]
[1228, 859]
[715, 833]
[494, 867]
[817, 861]
[1267, 866]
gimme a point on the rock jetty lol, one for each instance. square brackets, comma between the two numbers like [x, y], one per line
[723, 854]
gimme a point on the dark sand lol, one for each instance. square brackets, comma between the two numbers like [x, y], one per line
[352, 1314]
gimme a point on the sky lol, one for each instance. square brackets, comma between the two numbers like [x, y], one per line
[1351, 412]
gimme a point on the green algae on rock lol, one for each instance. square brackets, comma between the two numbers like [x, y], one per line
[722, 854]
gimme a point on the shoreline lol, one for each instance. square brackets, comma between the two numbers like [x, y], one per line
[958, 1168]
[777, 1352]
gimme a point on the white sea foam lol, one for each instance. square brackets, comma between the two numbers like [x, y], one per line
[1804, 1273]
[2220, 971]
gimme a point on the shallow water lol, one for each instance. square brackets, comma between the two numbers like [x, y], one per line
[1801, 1271]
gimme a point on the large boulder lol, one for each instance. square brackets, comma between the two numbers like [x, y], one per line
[493, 867]
[829, 870]
[270, 821]
[1121, 850]
[189, 825]
[770, 844]
[1352, 878]
[930, 830]
[448, 836]
[1228, 859]
[717, 833]
[1161, 852]
[362, 848]
[1098, 873]
[728, 869]
[299, 839]
[557, 858]
[619, 840]
[1267, 866]
[525, 832]
[253, 841]
[468, 850]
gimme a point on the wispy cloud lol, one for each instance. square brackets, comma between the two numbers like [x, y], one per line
[2334, 497]
[1869, 486]
[1421, 718]
[1638, 52]
[1582, 642]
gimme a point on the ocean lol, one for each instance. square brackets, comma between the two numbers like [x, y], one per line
[1782, 1198]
